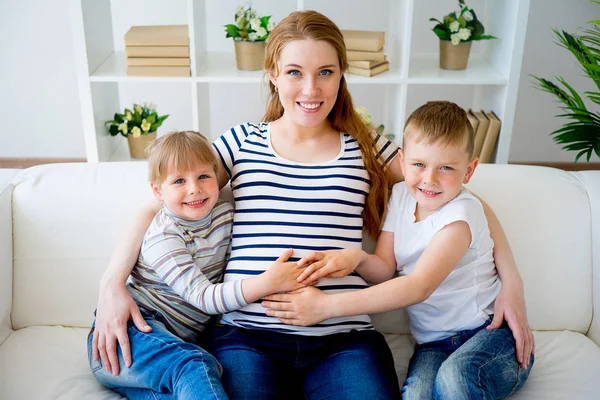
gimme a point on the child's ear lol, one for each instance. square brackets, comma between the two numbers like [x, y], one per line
[401, 158]
[156, 191]
[470, 169]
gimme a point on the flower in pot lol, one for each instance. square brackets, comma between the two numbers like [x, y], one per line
[138, 126]
[456, 32]
[366, 118]
[250, 33]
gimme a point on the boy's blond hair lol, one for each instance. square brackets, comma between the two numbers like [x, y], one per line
[440, 122]
[178, 151]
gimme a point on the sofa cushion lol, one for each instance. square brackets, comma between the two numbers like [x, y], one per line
[50, 363]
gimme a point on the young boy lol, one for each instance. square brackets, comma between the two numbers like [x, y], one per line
[175, 281]
[436, 235]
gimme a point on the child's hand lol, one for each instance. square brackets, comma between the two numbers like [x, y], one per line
[283, 274]
[330, 264]
[303, 307]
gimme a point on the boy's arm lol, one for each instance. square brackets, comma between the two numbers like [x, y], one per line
[510, 303]
[381, 266]
[115, 305]
[308, 306]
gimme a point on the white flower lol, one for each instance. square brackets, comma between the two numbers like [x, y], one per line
[146, 125]
[128, 116]
[364, 115]
[136, 131]
[123, 127]
[455, 39]
[261, 32]
[464, 33]
[454, 26]
[239, 12]
[270, 25]
[468, 16]
[255, 24]
[152, 107]
[138, 109]
[252, 36]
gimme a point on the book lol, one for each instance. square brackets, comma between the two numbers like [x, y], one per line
[363, 40]
[489, 144]
[370, 71]
[159, 62]
[157, 35]
[365, 63]
[484, 123]
[157, 71]
[473, 120]
[355, 55]
[157, 51]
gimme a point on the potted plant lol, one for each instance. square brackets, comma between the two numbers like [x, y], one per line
[366, 118]
[457, 31]
[138, 126]
[250, 33]
[582, 133]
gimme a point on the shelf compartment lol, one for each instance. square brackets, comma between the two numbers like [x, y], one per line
[424, 69]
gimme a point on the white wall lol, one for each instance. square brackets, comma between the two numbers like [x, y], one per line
[39, 105]
[534, 118]
[39, 101]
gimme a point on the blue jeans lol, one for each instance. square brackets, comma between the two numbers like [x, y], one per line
[164, 367]
[264, 365]
[474, 364]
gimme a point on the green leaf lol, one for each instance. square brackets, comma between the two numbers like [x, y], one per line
[580, 154]
[161, 119]
[113, 130]
[232, 31]
[264, 21]
[137, 119]
[441, 32]
[151, 118]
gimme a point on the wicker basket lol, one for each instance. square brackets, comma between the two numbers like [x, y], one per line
[454, 57]
[249, 56]
[138, 145]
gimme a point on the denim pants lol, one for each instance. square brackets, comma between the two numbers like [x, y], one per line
[473, 364]
[264, 365]
[164, 367]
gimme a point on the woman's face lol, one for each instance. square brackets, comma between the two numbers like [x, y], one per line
[308, 81]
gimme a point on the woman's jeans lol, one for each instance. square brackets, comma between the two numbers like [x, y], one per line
[164, 367]
[474, 364]
[261, 365]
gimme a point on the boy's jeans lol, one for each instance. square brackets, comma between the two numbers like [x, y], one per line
[164, 367]
[474, 364]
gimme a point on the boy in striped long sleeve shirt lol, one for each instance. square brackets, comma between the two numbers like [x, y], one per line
[176, 279]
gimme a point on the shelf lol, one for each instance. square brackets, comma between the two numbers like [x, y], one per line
[122, 152]
[424, 69]
[113, 69]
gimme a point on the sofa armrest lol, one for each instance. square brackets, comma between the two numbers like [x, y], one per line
[591, 181]
[6, 252]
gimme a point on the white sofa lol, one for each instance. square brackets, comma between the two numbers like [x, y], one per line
[59, 224]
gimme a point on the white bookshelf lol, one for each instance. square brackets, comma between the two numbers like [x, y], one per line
[218, 96]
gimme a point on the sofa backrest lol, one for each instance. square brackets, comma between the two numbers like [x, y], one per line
[67, 219]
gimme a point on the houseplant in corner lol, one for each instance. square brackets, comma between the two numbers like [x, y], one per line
[138, 126]
[582, 133]
[457, 31]
[250, 33]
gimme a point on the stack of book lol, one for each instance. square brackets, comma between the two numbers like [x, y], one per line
[158, 50]
[486, 126]
[365, 52]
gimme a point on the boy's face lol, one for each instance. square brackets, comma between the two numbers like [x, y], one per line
[190, 194]
[434, 174]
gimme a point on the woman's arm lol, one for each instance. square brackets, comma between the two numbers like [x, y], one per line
[115, 305]
[510, 303]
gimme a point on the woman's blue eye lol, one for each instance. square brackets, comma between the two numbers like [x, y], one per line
[293, 72]
[326, 72]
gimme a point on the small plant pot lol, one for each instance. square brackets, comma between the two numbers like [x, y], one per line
[250, 56]
[454, 57]
[138, 145]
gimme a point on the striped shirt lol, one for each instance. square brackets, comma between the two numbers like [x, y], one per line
[180, 265]
[281, 204]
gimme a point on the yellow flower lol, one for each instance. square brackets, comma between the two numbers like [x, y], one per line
[136, 131]
[138, 109]
[146, 125]
[128, 116]
[123, 127]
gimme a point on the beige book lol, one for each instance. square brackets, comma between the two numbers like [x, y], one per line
[365, 64]
[354, 55]
[473, 120]
[159, 62]
[363, 40]
[369, 71]
[484, 123]
[157, 51]
[157, 71]
[157, 35]
[489, 144]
